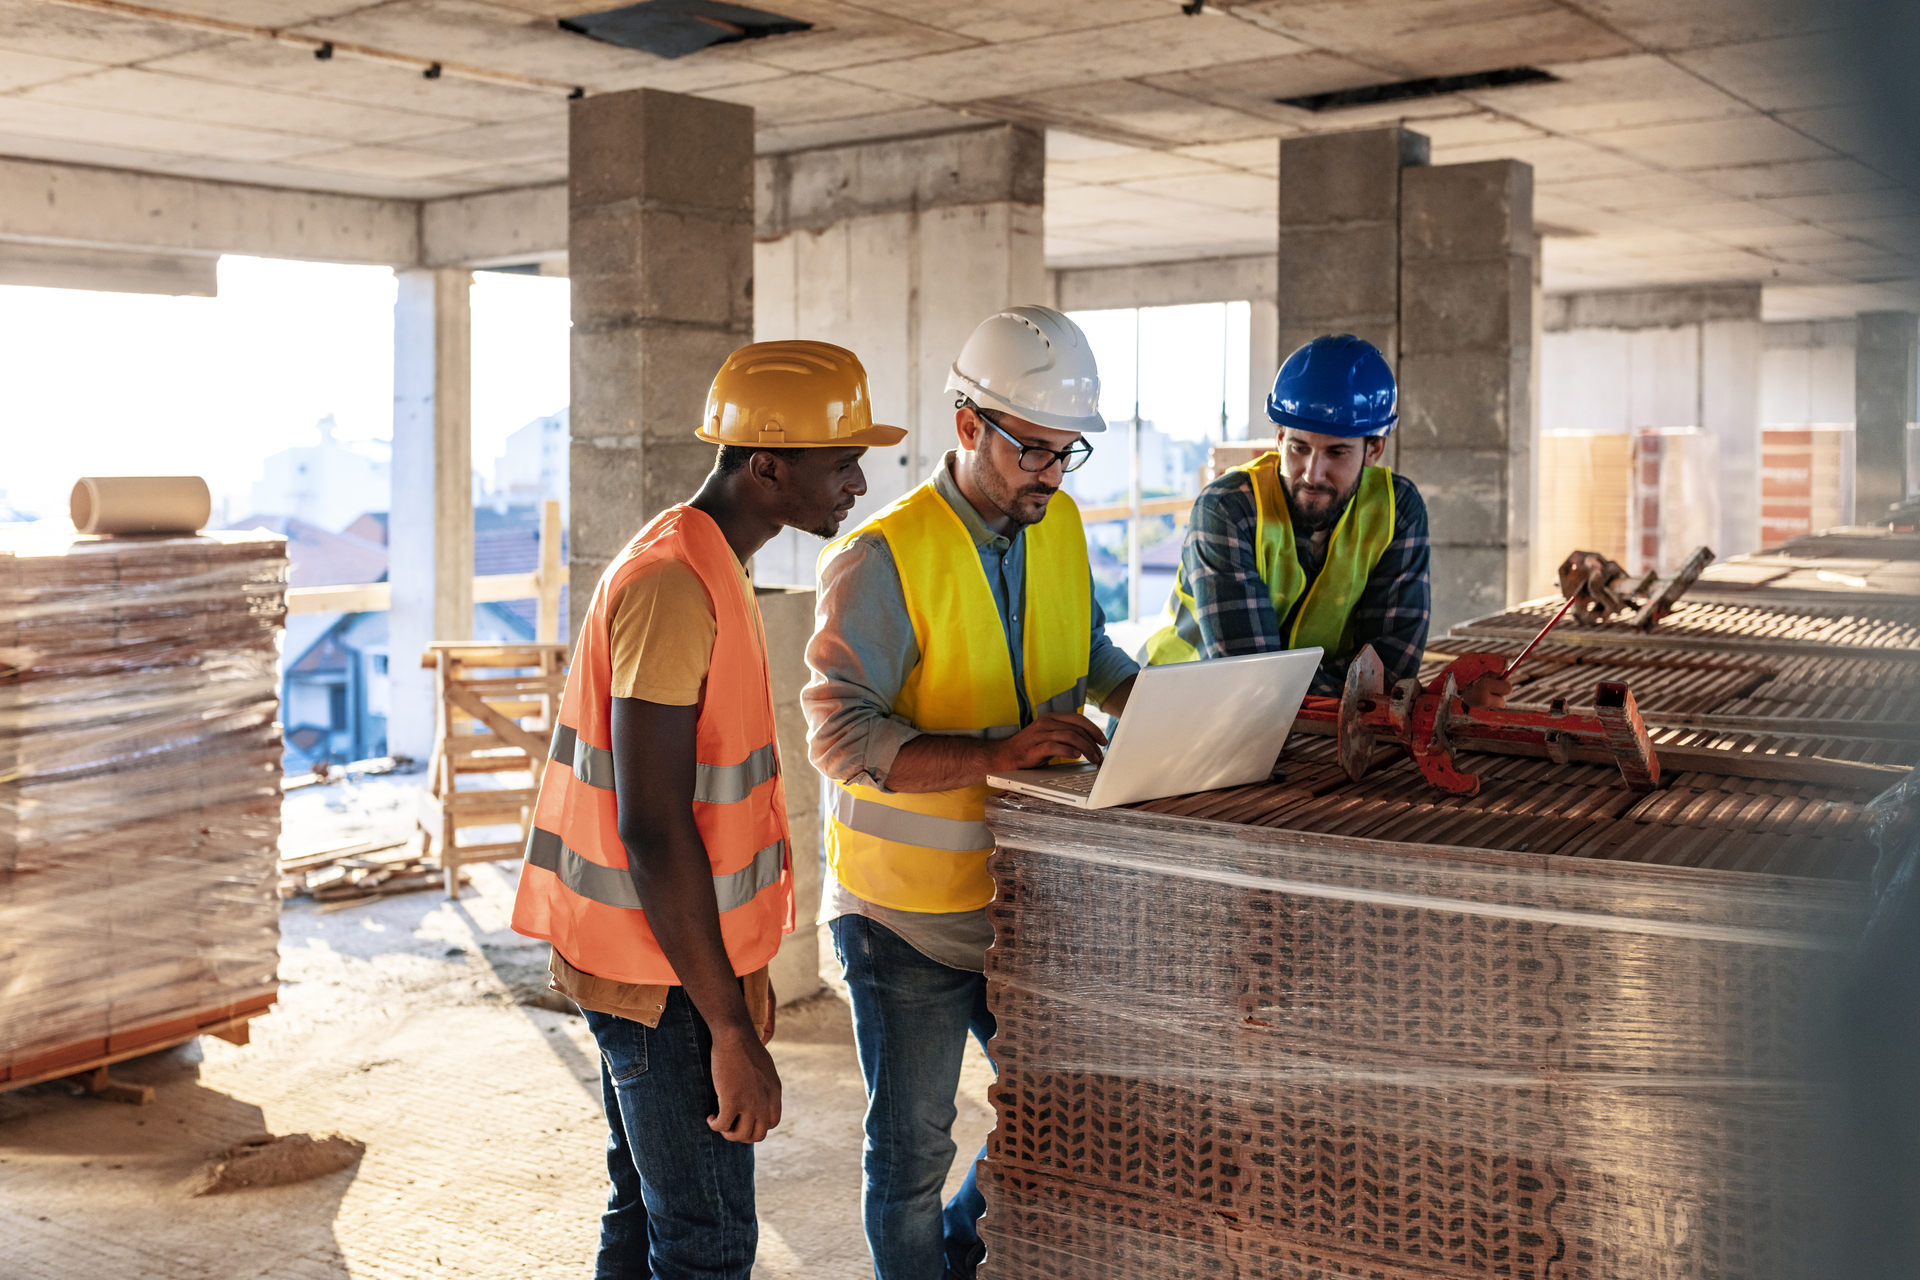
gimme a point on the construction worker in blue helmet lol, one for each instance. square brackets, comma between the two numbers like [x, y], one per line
[1316, 543]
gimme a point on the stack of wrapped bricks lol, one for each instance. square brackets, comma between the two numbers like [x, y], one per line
[139, 792]
[1320, 1028]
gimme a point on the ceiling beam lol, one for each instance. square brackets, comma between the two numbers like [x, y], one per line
[497, 228]
[46, 203]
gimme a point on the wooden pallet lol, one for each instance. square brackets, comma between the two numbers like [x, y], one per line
[496, 705]
[230, 1022]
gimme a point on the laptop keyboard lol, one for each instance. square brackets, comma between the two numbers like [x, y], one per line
[1079, 784]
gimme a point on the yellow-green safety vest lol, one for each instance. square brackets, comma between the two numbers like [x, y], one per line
[928, 851]
[1326, 619]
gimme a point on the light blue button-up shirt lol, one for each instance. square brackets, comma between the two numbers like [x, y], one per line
[862, 651]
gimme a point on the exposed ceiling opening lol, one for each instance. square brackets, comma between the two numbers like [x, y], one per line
[676, 28]
[1405, 90]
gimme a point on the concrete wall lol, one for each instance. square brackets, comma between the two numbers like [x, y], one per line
[896, 251]
[1619, 361]
[1806, 372]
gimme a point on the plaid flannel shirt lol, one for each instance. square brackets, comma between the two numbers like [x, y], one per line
[1235, 609]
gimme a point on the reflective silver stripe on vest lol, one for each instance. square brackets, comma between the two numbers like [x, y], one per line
[732, 783]
[592, 765]
[884, 822]
[712, 783]
[613, 886]
[1066, 700]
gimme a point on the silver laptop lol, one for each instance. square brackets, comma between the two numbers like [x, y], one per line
[1191, 726]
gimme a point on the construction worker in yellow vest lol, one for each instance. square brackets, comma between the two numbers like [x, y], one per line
[1315, 543]
[957, 636]
[658, 865]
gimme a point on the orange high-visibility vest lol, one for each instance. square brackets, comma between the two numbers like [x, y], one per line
[575, 890]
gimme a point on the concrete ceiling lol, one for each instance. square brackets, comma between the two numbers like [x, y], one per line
[1709, 140]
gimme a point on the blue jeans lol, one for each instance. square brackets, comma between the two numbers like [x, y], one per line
[681, 1206]
[911, 1016]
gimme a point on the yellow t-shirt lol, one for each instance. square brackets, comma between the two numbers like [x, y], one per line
[660, 627]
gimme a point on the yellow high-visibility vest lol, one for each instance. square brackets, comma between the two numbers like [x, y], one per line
[928, 851]
[1326, 619]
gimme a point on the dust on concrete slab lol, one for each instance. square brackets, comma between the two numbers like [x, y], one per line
[400, 1022]
[275, 1160]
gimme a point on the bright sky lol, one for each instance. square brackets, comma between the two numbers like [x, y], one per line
[1185, 353]
[133, 384]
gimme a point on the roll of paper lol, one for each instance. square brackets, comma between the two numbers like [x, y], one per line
[140, 504]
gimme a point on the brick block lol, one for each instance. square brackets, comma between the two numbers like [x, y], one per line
[1327, 274]
[1468, 582]
[630, 263]
[1467, 492]
[647, 379]
[1455, 304]
[1457, 211]
[1462, 400]
[662, 148]
[1332, 178]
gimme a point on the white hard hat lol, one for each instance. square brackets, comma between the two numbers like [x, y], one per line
[1034, 363]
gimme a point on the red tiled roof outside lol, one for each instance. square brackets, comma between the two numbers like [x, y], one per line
[322, 559]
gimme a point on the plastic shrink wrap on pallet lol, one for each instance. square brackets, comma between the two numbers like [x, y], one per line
[1235, 1051]
[139, 790]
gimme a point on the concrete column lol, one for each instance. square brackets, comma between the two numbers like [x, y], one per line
[788, 616]
[1884, 384]
[1263, 363]
[430, 520]
[1467, 413]
[660, 250]
[896, 250]
[1339, 247]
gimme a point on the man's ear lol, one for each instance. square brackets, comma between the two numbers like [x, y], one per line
[966, 425]
[765, 468]
[1376, 450]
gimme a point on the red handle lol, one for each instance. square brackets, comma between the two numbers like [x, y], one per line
[1508, 673]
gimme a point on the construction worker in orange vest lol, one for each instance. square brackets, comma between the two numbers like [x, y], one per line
[658, 866]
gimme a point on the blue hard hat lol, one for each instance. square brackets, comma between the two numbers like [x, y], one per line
[1336, 385]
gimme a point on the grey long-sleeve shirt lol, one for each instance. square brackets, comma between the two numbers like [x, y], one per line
[863, 649]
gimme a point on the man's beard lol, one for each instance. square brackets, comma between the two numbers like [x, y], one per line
[1322, 520]
[1011, 501]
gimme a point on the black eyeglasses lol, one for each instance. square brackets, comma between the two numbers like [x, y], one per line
[1037, 458]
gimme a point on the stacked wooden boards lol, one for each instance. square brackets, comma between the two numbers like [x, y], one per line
[1317, 1028]
[139, 793]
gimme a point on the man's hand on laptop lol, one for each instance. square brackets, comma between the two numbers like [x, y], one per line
[1058, 735]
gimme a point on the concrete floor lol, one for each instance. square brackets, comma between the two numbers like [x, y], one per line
[400, 1024]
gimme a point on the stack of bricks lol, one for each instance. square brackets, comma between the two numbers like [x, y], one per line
[139, 792]
[1318, 1027]
[1270, 1032]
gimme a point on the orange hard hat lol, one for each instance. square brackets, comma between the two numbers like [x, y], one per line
[797, 394]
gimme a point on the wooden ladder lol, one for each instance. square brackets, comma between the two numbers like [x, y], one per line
[495, 708]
